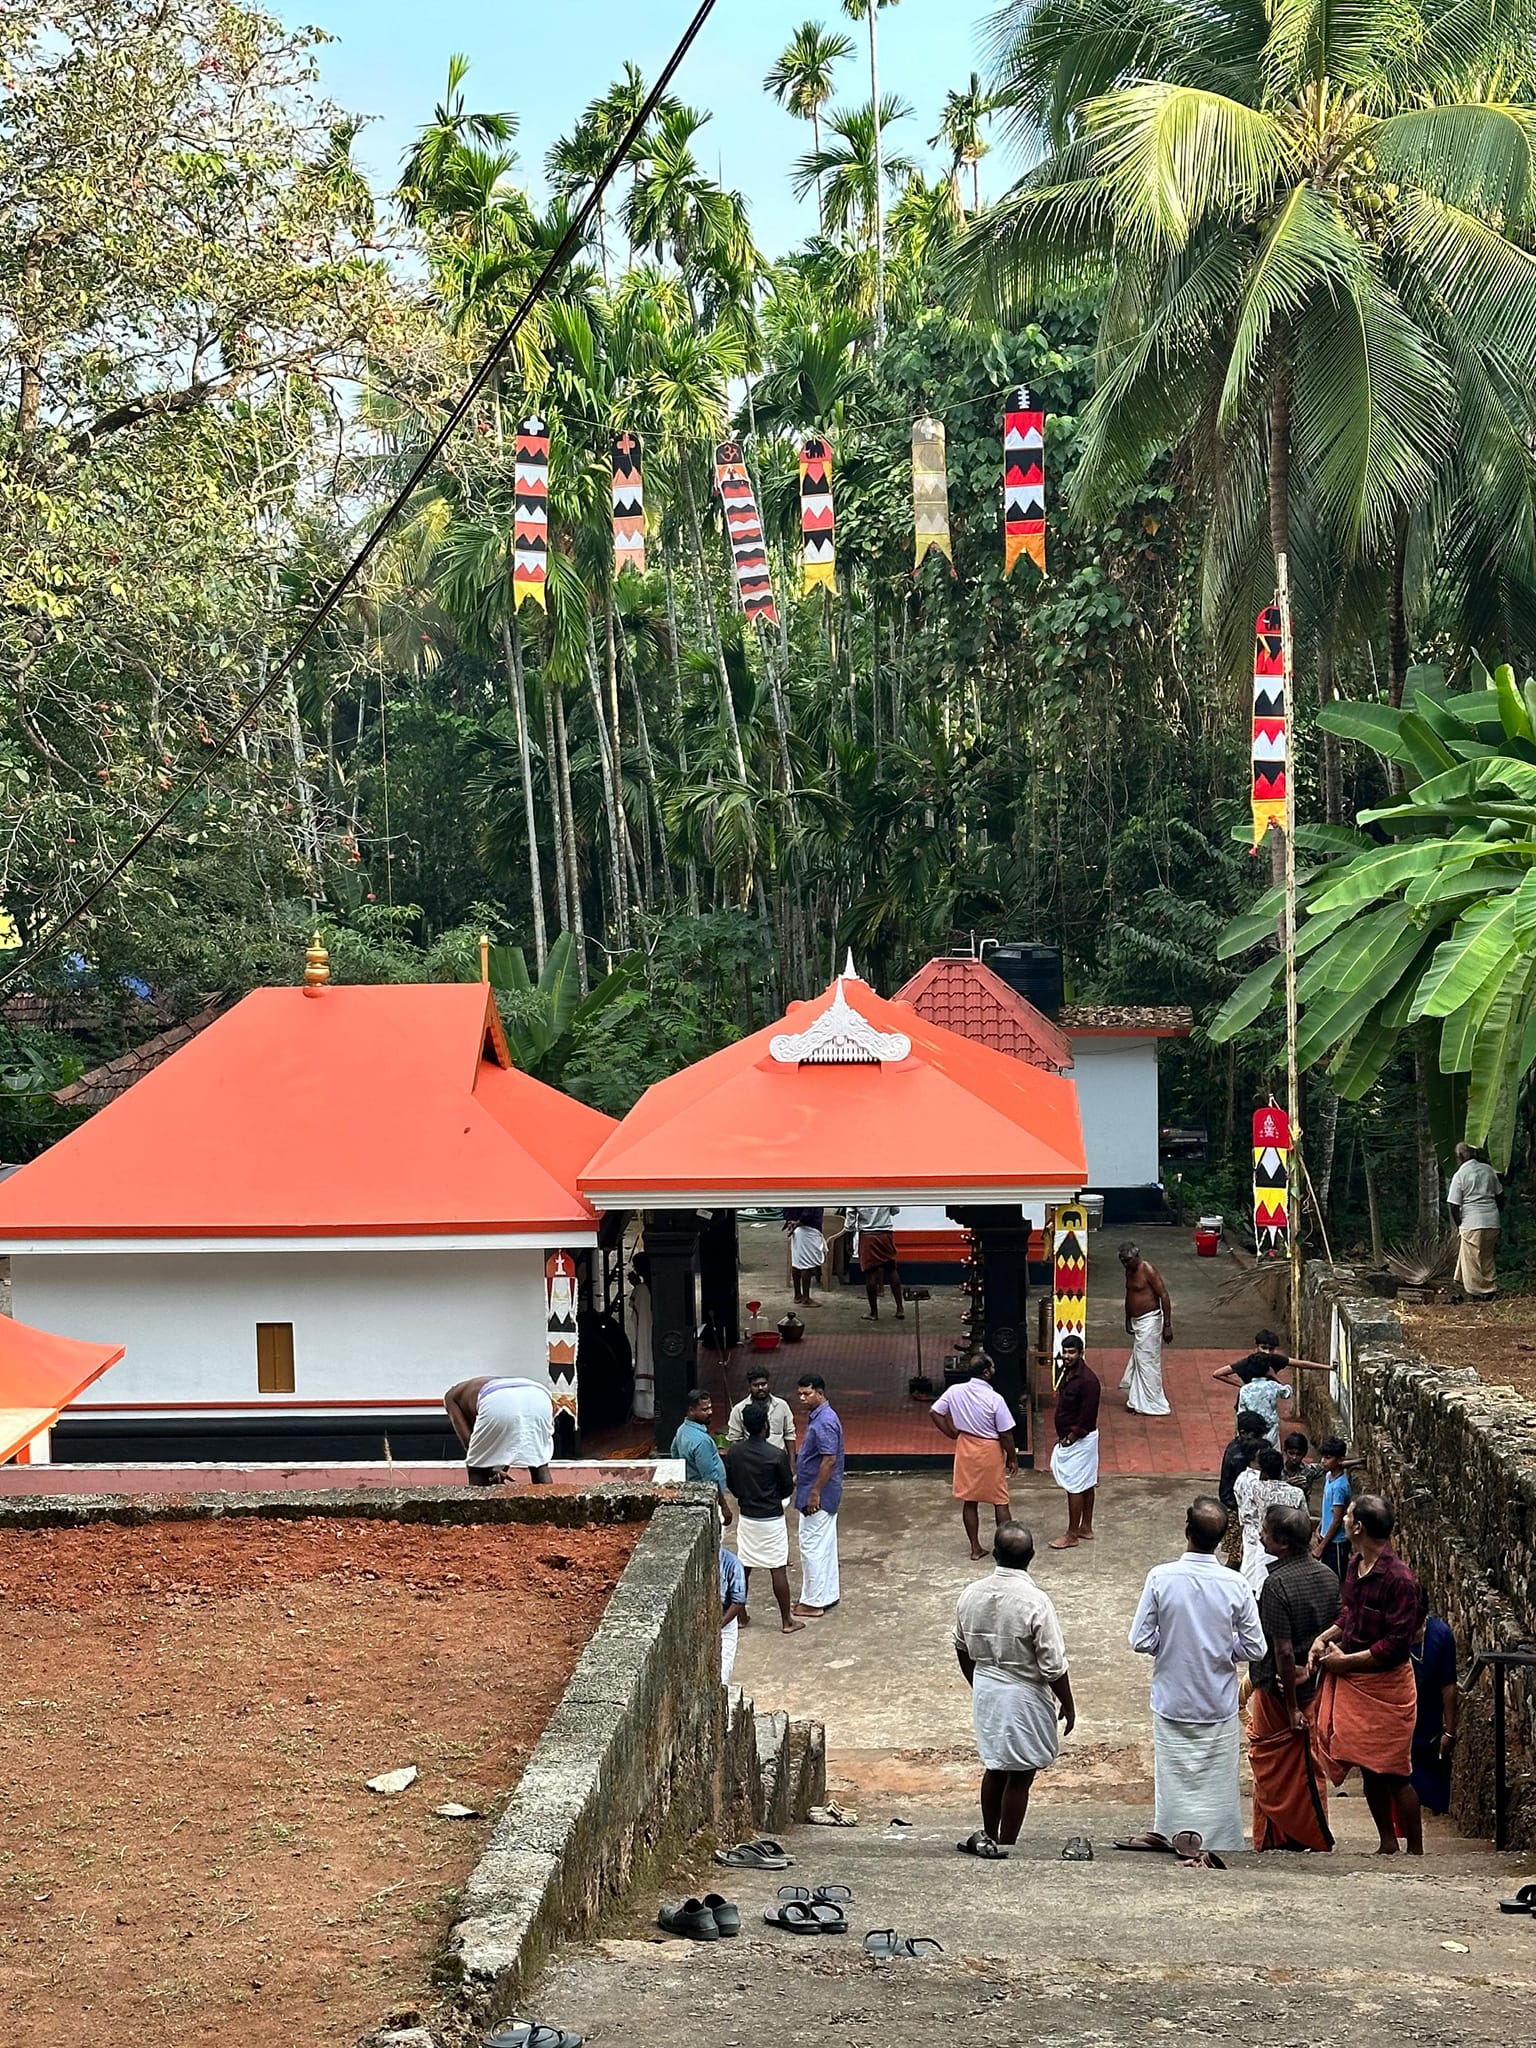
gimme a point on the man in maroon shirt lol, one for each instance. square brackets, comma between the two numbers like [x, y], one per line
[1075, 1460]
[1367, 1702]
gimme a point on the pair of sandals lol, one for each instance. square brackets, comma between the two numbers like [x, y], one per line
[1188, 1845]
[885, 1941]
[531, 2034]
[763, 1854]
[1524, 1901]
[810, 1909]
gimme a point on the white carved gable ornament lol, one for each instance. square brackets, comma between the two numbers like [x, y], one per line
[840, 1037]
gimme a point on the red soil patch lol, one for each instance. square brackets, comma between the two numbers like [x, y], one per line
[190, 1711]
[1496, 1338]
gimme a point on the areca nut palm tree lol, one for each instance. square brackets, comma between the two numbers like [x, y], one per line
[451, 129]
[869, 11]
[802, 80]
[853, 171]
[960, 134]
[1313, 224]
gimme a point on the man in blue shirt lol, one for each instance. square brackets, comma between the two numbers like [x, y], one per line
[1332, 1543]
[695, 1445]
[818, 1494]
[733, 1605]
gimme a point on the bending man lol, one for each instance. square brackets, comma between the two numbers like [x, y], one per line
[502, 1423]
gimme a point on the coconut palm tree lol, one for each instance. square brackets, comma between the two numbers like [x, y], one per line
[1314, 225]
[960, 134]
[802, 79]
[868, 11]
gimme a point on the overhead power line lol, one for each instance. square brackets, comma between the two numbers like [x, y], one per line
[53, 931]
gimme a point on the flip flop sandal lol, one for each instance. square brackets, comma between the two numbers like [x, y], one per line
[1187, 1845]
[983, 1846]
[817, 1894]
[1078, 1850]
[798, 1916]
[919, 1945]
[531, 2034]
[1524, 1901]
[832, 1817]
[1160, 1843]
[727, 1916]
[753, 1856]
[882, 1941]
[692, 1918]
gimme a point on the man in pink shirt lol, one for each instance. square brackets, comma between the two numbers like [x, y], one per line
[975, 1417]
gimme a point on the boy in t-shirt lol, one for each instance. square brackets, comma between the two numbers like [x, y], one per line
[1331, 1544]
[1300, 1470]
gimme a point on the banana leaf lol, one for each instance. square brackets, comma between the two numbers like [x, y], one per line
[1484, 938]
[1251, 995]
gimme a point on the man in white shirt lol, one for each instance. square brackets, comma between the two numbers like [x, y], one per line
[781, 1417]
[1475, 1198]
[502, 1423]
[1198, 1621]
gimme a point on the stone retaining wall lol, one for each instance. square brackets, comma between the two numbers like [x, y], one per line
[1457, 1459]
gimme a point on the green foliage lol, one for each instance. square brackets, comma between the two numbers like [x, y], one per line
[1433, 934]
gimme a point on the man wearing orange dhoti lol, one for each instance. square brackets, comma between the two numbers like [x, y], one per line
[1298, 1600]
[975, 1417]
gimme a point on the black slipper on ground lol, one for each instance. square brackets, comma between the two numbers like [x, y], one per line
[1078, 1850]
[885, 1941]
[1149, 1840]
[754, 1856]
[799, 1916]
[817, 1894]
[727, 1916]
[692, 1918]
[983, 1846]
[1524, 1901]
[531, 2034]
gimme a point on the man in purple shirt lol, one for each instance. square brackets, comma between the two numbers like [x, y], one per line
[976, 1418]
[818, 1494]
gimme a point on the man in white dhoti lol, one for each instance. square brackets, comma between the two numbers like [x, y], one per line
[1009, 1645]
[807, 1249]
[1198, 1621]
[1149, 1325]
[818, 1495]
[503, 1423]
[1075, 1460]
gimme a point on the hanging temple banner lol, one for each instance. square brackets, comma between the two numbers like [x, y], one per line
[816, 516]
[1269, 724]
[749, 552]
[1023, 481]
[628, 506]
[530, 529]
[930, 492]
[1271, 1181]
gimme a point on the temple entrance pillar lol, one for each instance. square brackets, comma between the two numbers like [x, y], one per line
[672, 1244]
[1002, 1236]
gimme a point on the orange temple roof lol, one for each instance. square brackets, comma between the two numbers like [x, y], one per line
[39, 1376]
[853, 1098]
[368, 1111]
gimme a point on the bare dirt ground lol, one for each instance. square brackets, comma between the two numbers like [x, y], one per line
[188, 1713]
[1496, 1338]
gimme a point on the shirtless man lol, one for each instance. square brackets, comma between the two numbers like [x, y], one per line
[503, 1423]
[1149, 1325]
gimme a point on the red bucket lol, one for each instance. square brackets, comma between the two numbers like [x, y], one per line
[1207, 1243]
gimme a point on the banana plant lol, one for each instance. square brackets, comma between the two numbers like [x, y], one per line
[1428, 925]
[544, 1019]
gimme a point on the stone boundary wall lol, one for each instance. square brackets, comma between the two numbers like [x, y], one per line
[1457, 1459]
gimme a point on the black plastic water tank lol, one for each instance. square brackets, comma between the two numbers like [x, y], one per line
[1034, 972]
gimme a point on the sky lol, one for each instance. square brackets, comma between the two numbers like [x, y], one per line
[546, 59]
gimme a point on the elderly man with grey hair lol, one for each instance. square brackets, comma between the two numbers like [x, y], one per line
[1010, 1650]
[1475, 1199]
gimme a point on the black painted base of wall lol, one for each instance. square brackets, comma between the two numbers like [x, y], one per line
[252, 1440]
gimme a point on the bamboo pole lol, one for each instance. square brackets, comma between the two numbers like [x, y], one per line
[1293, 1232]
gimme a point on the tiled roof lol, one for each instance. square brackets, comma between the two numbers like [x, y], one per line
[1149, 1020]
[966, 996]
[104, 1084]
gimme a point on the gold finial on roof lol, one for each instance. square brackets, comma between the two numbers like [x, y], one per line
[317, 967]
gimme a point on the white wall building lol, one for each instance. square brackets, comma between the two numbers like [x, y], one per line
[303, 1226]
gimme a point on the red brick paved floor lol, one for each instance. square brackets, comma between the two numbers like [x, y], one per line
[867, 1373]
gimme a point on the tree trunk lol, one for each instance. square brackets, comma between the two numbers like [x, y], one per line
[572, 856]
[552, 778]
[614, 739]
[610, 794]
[1280, 456]
[1327, 1139]
[1333, 765]
[1397, 619]
[821, 211]
[512, 654]
[29, 342]
[874, 108]
[1373, 1210]
[1428, 1158]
